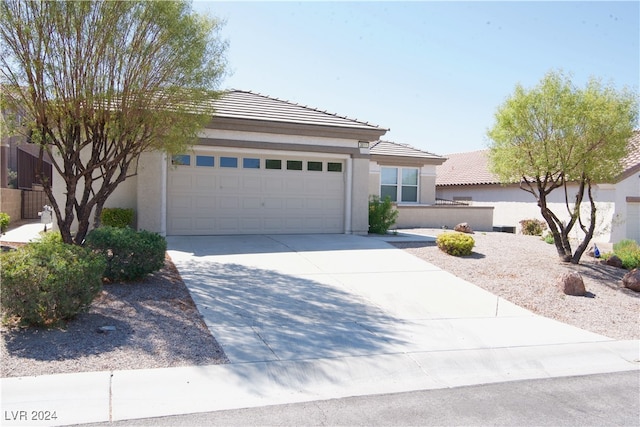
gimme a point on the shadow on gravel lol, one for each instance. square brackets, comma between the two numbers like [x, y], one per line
[608, 276]
[80, 338]
[154, 319]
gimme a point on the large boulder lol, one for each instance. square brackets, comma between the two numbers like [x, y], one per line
[614, 261]
[571, 283]
[463, 227]
[631, 280]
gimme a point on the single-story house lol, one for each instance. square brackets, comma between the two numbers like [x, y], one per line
[465, 177]
[269, 166]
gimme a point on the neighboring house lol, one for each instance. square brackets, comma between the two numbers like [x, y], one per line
[465, 177]
[21, 173]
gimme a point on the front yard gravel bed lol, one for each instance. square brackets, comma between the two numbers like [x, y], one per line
[157, 325]
[524, 270]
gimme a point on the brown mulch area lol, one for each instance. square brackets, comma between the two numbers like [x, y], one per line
[156, 323]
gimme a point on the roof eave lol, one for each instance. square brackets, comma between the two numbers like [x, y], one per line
[287, 128]
[406, 160]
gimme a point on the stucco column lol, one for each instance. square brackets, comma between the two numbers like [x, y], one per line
[151, 192]
[360, 196]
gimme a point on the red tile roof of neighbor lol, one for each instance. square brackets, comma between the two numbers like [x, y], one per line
[469, 168]
[472, 168]
[240, 104]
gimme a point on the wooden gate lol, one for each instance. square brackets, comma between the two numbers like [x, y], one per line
[32, 203]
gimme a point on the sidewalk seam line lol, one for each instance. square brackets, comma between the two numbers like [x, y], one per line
[111, 396]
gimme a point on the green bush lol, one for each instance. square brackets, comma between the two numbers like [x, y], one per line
[4, 221]
[47, 281]
[457, 244]
[548, 238]
[382, 215]
[130, 254]
[629, 252]
[117, 217]
[532, 227]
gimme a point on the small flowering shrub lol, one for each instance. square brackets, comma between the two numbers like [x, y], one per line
[533, 227]
[456, 244]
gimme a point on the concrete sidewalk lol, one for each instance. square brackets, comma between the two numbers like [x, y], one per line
[311, 317]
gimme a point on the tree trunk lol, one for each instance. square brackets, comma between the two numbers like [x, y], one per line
[563, 247]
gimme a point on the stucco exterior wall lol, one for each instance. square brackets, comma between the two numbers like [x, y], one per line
[513, 205]
[360, 198]
[11, 203]
[626, 218]
[151, 192]
[480, 218]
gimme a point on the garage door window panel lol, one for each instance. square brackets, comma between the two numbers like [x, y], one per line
[334, 167]
[181, 160]
[294, 165]
[249, 163]
[273, 164]
[314, 166]
[228, 162]
[205, 161]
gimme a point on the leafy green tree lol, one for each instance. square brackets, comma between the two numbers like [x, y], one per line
[100, 82]
[557, 134]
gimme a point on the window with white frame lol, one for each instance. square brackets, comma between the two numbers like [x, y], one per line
[400, 184]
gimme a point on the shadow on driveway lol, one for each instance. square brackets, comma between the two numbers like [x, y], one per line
[260, 315]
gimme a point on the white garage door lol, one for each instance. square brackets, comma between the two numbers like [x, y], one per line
[213, 194]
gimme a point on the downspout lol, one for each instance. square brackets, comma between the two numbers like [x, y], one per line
[163, 196]
[348, 197]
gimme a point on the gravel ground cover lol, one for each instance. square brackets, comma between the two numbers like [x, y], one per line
[157, 325]
[525, 270]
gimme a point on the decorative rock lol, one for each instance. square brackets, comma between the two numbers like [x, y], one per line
[631, 280]
[463, 227]
[614, 261]
[572, 284]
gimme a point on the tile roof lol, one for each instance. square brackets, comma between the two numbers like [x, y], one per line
[471, 168]
[631, 162]
[240, 104]
[388, 148]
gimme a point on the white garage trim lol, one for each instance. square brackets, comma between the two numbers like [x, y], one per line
[348, 196]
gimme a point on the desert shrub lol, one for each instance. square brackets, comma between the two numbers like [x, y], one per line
[4, 221]
[117, 217]
[532, 227]
[548, 238]
[629, 252]
[382, 215]
[457, 244]
[130, 254]
[48, 281]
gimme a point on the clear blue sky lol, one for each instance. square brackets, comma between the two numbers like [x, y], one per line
[432, 72]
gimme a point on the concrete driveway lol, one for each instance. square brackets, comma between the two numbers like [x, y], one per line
[298, 297]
